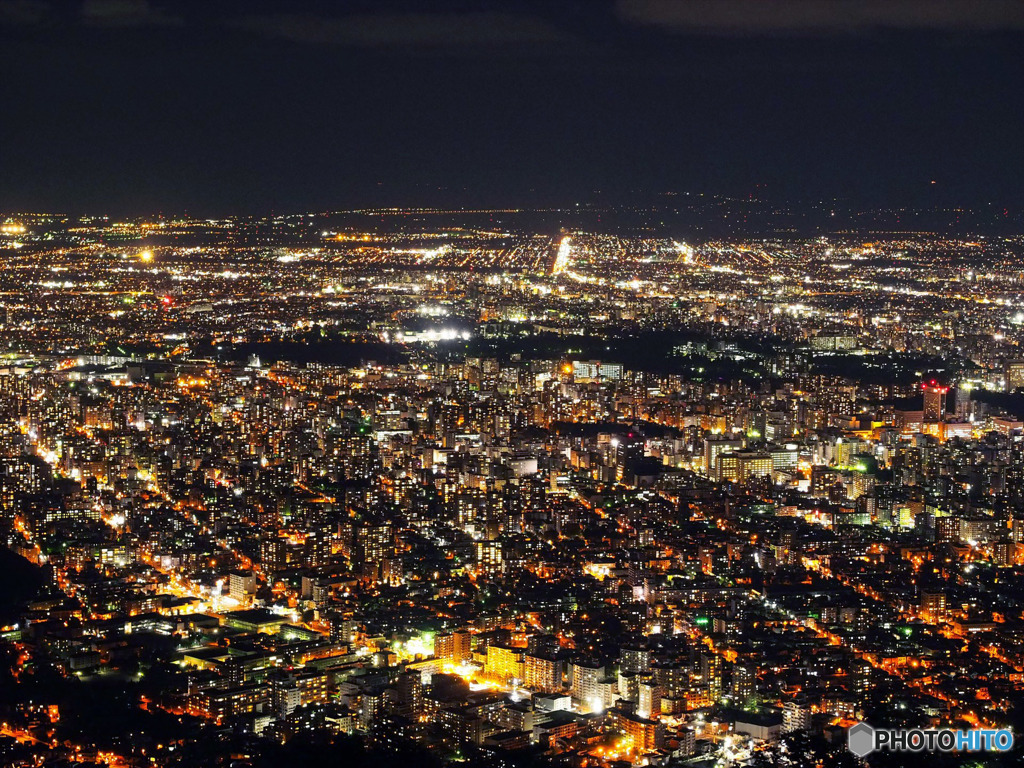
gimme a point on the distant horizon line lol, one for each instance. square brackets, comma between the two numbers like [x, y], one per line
[272, 212]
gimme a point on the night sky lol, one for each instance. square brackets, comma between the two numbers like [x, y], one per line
[232, 106]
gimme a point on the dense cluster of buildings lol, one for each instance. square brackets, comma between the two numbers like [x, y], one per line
[506, 531]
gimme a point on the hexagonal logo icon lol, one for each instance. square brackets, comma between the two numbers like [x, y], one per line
[860, 738]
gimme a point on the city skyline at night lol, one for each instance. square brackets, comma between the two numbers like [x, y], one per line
[504, 485]
[511, 383]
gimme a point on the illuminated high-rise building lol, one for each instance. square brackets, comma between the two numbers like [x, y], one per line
[934, 402]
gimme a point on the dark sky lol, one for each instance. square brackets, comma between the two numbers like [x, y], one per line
[237, 106]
